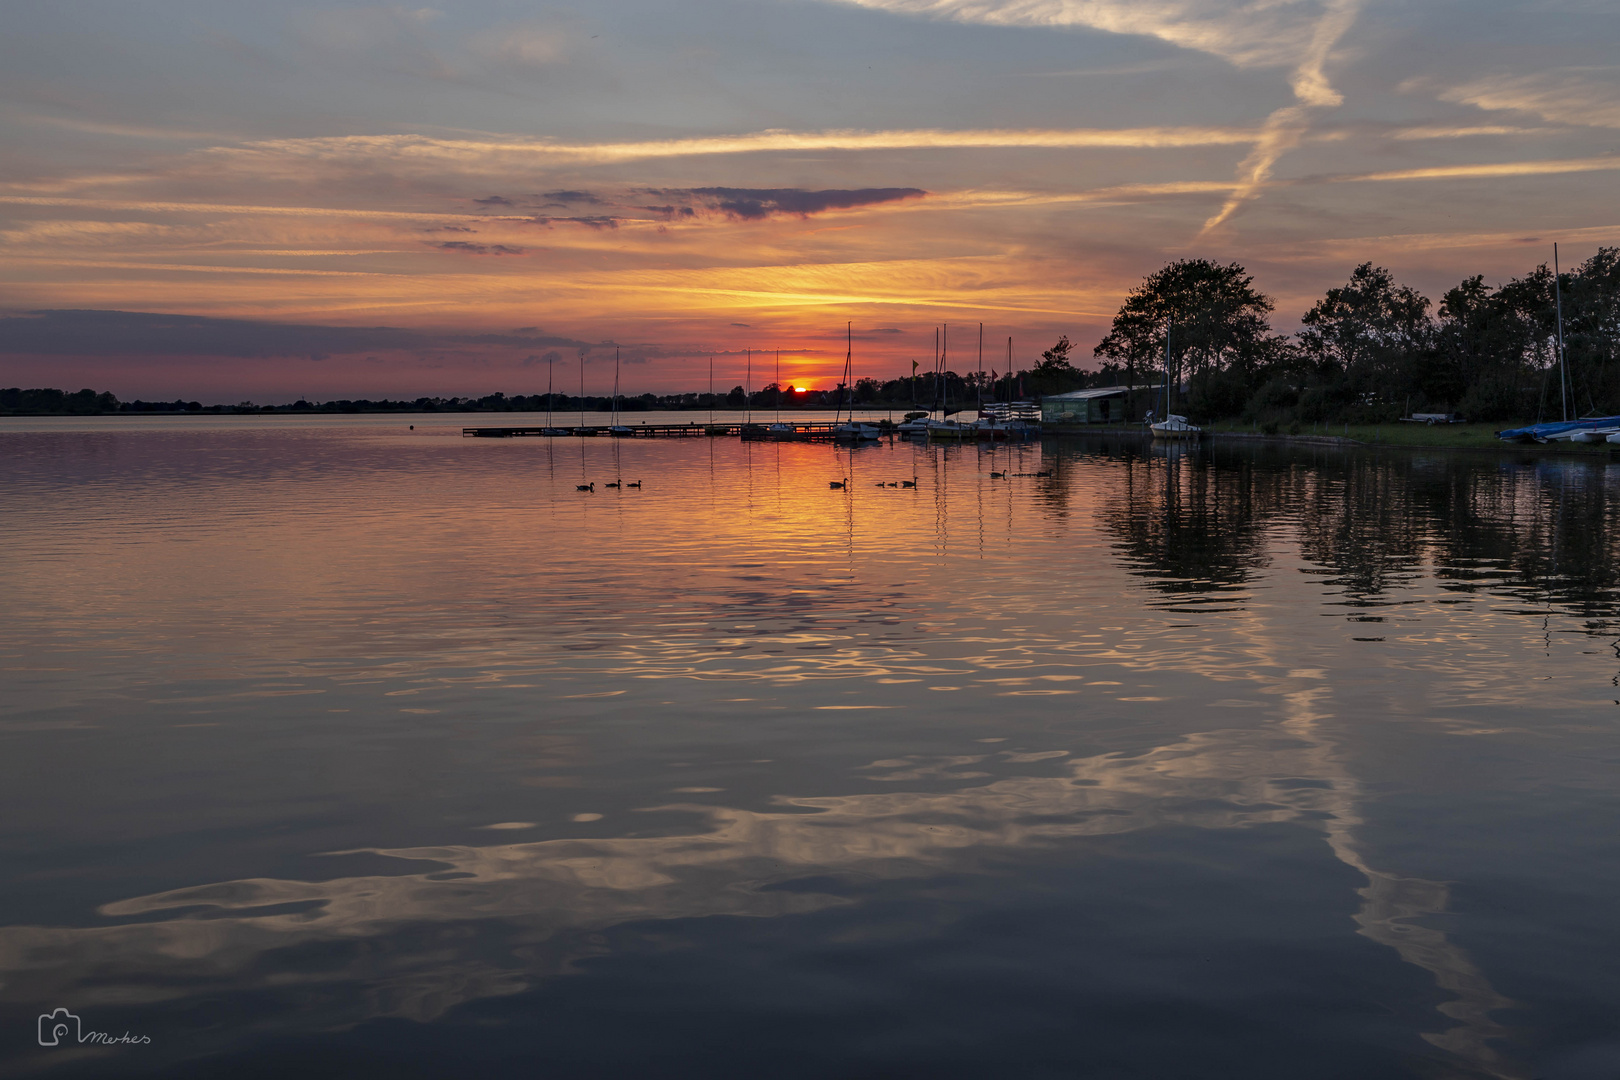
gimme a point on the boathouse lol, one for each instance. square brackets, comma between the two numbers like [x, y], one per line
[1100, 405]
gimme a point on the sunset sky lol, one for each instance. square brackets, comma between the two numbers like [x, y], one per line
[263, 200]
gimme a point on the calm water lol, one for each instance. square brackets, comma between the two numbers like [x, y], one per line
[335, 748]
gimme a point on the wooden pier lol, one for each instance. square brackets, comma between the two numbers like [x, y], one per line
[802, 429]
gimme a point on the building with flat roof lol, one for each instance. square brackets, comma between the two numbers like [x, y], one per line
[1099, 405]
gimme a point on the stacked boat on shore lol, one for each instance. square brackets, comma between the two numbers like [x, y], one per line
[1593, 429]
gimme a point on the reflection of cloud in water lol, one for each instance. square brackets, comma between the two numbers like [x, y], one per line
[541, 899]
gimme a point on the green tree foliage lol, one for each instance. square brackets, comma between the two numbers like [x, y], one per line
[1365, 342]
[1592, 332]
[1054, 373]
[1214, 320]
[1371, 349]
[47, 402]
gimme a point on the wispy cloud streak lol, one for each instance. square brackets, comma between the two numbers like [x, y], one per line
[1300, 37]
[1285, 128]
[480, 153]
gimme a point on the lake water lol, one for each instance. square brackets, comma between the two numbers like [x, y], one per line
[330, 747]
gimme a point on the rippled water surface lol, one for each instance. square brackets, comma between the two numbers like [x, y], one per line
[340, 748]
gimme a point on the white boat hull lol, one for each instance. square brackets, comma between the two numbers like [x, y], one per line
[860, 432]
[1175, 427]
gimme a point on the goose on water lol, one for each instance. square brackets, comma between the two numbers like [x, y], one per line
[634, 485]
[611, 483]
[837, 483]
[908, 483]
[586, 487]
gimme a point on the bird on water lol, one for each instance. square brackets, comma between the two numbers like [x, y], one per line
[586, 487]
[908, 483]
[611, 483]
[837, 483]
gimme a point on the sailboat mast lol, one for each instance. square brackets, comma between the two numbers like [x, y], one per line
[615, 386]
[981, 367]
[1563, 365]
[551, 375]
[849, 358]
[582, 388]
[778, 386]
[1167, 328]
[748, 389]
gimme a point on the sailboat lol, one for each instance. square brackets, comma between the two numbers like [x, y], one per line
[582, 429]
[617, 429]
[551, 371]
[943, 428]
[778, 430]
[1590, 429]
[750, 430]
[915, 422]
[1172, 426]
[991, 423]
[852, 430]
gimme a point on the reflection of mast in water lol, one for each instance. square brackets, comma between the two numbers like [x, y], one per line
[979, 480]
[936, 455]
[748, 475]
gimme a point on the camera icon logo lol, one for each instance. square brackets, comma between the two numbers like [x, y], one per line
[55, 1025]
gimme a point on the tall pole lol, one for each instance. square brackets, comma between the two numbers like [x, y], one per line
[981, 367]
[748, 386]
[849, 368]
[582, 388]
[1167, 327]
[711, 389]
[935, 373]
[1563, 364]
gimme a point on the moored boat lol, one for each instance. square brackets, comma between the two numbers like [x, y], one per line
[1175, 427]
[856, 430]
[1563, 430]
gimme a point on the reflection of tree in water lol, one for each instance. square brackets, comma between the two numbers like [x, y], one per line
[1193, 523]
[1193, 528]
[1359, 522]
[1538, 532]
[1543, 533]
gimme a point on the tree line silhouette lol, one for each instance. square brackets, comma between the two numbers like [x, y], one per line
[1369, 350]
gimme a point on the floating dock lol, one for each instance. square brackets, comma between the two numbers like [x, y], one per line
[802, 429]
